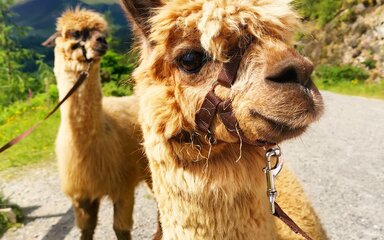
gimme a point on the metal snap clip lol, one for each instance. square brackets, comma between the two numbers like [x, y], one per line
[271, 173]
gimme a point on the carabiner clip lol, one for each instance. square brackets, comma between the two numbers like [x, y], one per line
[271, 173]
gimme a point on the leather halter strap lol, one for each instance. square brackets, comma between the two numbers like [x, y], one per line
[279, 213]
[213, 105]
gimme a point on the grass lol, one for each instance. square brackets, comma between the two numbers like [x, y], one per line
[357, 88]
[38, 146]
[349, 80]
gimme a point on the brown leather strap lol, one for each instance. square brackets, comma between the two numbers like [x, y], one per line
[225, 112]
[213, 105]
[227, 75]
[80, 80]
[204, 117]
[289, 222]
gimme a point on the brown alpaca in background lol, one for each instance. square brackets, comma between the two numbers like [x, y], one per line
[97, 144]
[218, 191]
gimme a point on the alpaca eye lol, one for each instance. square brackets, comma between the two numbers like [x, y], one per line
[76, 34]
[192, 62]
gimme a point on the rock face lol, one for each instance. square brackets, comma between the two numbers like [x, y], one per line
[354, 37]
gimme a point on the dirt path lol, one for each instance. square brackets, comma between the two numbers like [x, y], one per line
[339, 160]
[49, 214]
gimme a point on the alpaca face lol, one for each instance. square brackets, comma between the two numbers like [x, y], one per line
[273, 97]
[80, 30]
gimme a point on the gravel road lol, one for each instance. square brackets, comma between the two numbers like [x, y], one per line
[339, 161]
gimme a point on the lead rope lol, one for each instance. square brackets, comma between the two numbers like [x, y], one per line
[82, 77]
[271, 173]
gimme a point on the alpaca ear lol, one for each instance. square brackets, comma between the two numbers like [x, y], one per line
[138, 13]
[51, 41]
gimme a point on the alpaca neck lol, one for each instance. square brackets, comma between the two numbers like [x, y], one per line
[82, 112]
[216, 199]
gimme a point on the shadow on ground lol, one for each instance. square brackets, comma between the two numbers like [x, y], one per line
[57, 231]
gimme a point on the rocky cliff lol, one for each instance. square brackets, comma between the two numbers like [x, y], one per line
[355, 36]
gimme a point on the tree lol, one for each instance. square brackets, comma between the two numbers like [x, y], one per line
[322, 11]
[15, 83]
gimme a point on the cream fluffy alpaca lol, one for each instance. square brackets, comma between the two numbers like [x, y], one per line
[204, 191]
[97, 144]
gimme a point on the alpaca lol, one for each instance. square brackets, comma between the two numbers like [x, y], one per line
[97, 144]
[211, 185]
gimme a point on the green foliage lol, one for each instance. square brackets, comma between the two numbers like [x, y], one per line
[115, 67]
[326, 10]
[112, 89]
[15, 82]
[4, 223]
[329, 75]
[115, 70]
[355, 88]
[370, 63]
[347, 80]
[320, 10]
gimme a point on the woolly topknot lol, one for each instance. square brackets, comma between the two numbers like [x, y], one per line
[221, 23]
[78, 19]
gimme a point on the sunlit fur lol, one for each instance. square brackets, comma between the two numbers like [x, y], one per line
[97, 144]
[219, 192]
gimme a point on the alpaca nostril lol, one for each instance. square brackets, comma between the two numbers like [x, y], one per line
[292, 72]
[101, 40]
[287, 75]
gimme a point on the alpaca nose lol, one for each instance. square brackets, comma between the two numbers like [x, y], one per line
[101, 44]
[102, 40]
[295, 70]
[99, 39]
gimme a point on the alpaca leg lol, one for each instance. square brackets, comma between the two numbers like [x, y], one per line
[86, 217]
[123, 211]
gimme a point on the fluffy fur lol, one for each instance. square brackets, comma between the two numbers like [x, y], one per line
[219, 192]
[97, 144]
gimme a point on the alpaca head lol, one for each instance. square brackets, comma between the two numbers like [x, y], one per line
[184, 45]
[78, 30]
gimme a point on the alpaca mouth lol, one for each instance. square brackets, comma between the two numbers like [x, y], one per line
[279, 126]
[101, 51]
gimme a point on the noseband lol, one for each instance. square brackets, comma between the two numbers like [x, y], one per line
[213, 105]
[80, 44]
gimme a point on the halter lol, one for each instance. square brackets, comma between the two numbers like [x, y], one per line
[213, 105]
